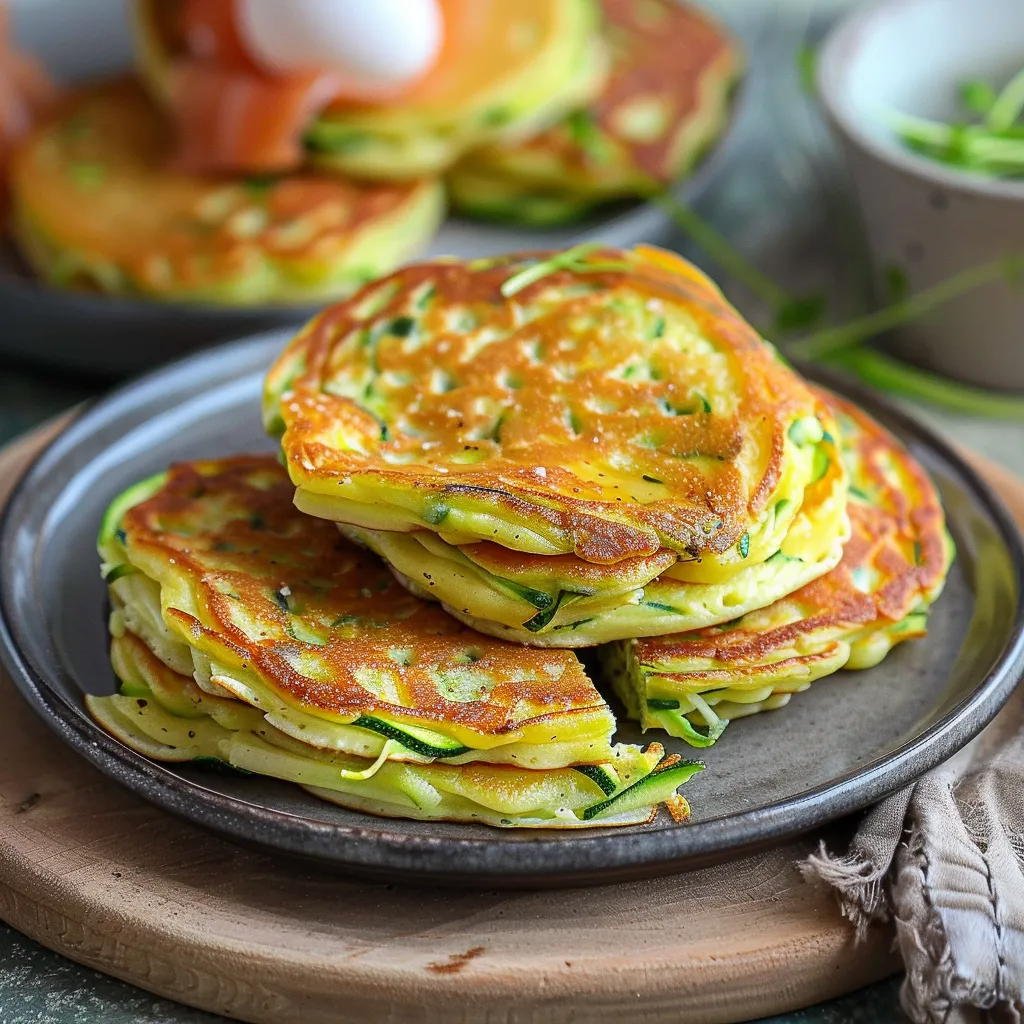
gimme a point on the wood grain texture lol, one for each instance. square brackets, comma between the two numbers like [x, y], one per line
[104, 878]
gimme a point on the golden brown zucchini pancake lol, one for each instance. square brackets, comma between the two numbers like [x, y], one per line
[509, 69]
[301, 615]
[97, 207]
[616, 409]
[664, 102]
[892, 570]
[165, 715]
[576, 604]
[307, 636]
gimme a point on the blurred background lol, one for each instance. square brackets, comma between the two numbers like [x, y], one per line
[772, 194]
[777, 188]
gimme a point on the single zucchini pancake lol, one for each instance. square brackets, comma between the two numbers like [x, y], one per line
[665, 101]
[310, 663]
[536, 438]
[575, 605]
[892, 570]
[97, 207]
[506, 70]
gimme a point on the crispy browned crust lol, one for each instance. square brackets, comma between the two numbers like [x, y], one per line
[570, 572]
[661, 49]
[553, 354]
[672, 54]
[900, 534]
[229, 530]
[158, 226]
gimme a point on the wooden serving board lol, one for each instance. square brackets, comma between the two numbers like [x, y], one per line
[114, 883]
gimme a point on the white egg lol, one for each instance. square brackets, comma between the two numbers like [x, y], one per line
[377, 41]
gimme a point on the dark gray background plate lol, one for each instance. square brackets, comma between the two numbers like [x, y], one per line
[843, 744]
[117, 337]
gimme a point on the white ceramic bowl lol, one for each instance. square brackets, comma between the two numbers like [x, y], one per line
[921, 216]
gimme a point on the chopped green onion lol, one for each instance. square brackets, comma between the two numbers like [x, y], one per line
[887, 374]
[1008, 104]
[717, 246]
[831, 340]
[587, 134]
[573, 259]
[918, 129]
[401, 326]
[994, 146]
[977, 96]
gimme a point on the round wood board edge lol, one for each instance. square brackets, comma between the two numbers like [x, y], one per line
[104, 878]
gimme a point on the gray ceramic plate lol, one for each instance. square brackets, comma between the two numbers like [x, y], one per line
[843, 744]
[119, 337]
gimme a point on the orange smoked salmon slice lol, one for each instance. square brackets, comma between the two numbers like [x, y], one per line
[25, 92]
[232, 115]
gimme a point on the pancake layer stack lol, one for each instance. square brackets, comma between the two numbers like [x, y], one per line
[246, 633]
[507, 70]
[586, 448]
[210, 180]
[98, 206]
[892, 570]
[604, 453]
[665, 100]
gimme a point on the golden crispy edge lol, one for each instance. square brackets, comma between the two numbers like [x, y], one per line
[599, 531]
[434, 634]
[917, 517]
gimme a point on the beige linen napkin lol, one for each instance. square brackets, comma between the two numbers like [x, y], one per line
[944, 860]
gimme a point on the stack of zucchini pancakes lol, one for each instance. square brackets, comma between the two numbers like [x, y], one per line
[484, 468]
[200, 179]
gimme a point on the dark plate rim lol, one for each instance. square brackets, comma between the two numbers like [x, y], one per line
[381, 850]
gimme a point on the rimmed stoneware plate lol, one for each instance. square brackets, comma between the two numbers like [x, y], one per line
[117, 337]
[840, 746]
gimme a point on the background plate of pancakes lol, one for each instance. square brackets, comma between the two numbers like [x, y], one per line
[484, 408]
[511, 204]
